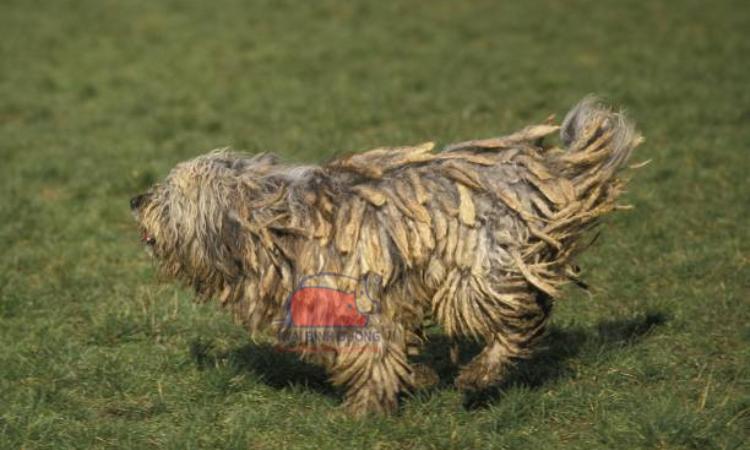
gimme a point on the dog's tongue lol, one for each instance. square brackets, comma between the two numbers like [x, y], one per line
[145, 237]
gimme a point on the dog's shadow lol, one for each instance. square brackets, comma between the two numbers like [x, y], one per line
[282, 370]
[549, 363]
[276, 368]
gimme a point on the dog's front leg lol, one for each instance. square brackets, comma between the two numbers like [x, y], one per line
[374, 369]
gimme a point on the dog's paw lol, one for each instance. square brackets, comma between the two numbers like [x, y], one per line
[475, 377]
[425, 376]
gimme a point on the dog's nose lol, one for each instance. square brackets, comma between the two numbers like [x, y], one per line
[136, 202]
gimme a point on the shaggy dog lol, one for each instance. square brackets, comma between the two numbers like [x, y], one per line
[478, 237]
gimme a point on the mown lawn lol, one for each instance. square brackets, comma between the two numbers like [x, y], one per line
[98, 99]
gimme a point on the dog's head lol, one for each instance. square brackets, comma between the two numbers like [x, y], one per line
[189, 222]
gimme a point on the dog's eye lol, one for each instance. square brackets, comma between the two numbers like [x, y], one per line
[135, 202]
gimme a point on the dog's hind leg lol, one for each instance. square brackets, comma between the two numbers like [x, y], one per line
[374, 369]
[491, 365]
[512, 339]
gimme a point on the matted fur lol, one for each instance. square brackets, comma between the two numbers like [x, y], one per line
[480, 236]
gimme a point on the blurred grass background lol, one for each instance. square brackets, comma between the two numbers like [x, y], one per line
[98, 99]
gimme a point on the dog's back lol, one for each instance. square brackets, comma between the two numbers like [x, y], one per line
[536, 200]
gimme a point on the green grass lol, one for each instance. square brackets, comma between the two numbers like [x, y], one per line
[98, 99]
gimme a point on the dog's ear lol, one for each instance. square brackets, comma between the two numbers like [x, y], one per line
[264, 159]
[240, 163]
[232, 241]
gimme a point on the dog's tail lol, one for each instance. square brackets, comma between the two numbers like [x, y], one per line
[598, 143]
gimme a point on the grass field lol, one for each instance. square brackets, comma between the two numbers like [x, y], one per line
[98, 99]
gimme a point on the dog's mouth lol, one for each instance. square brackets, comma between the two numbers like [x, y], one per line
[148, 239]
